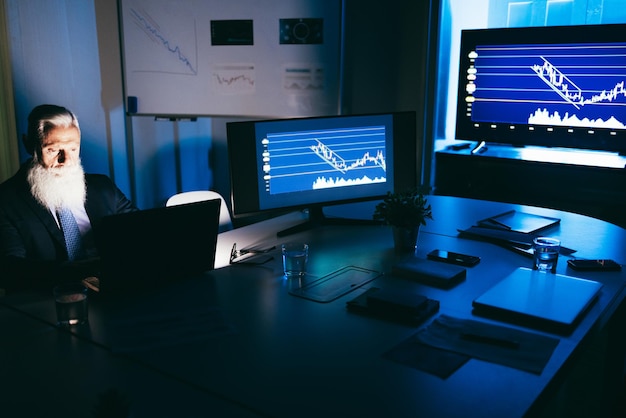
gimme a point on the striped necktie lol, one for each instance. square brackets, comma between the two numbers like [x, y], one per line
[73, 240]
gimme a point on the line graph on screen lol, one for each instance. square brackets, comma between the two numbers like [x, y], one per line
[319, 159]
[580, 85]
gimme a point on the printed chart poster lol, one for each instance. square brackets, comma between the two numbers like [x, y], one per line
[239, 58]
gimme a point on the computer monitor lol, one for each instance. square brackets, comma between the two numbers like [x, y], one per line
[309, 163]
[556, 86]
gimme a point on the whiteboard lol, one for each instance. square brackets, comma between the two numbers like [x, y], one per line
[231, 57]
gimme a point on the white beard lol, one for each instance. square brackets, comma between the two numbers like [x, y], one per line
[58, 187]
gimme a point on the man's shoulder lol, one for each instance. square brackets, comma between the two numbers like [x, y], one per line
[15, 192]
[102, 192]
[16, 181]
[98, 180]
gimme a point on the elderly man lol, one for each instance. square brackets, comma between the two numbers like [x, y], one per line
[48, 208]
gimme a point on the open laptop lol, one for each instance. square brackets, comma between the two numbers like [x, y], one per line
[144, 248]
[552, 302]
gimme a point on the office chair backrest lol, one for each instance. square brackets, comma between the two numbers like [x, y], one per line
[226, 222]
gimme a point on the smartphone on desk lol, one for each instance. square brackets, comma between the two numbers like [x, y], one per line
[594, 265]
[453, 258]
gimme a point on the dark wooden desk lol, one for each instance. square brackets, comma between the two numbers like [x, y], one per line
[291, 357]
[51, 373]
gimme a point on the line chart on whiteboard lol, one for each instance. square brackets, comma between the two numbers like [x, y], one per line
[214, 58]
[233, 78]
[175, 53]
[579, 85]
[319, 159]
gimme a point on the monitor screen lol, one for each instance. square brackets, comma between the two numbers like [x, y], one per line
[319, 161]
[557, 86]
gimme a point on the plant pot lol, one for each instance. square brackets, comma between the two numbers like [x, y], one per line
[405, 238]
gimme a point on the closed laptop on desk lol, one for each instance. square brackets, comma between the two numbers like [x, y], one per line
[141, 249]
[551, 301]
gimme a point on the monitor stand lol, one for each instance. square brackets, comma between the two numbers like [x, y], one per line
[317, 218]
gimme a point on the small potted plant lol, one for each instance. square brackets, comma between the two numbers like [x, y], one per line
[405, 212]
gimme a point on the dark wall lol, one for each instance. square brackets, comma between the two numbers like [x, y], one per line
[385, 61]
[385, 50]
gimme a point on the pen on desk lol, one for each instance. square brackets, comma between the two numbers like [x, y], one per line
[485, 339]
[480, 148]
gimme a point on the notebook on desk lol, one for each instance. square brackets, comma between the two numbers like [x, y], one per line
[554, 302]
[514, 230]
[144, 248]
[513, 220]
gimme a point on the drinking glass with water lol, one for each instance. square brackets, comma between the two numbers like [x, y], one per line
[71, 304]
[546, 253]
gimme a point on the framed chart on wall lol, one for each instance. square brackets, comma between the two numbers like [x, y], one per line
[236, 58]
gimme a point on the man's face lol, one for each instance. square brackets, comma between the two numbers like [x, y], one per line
[61, 148]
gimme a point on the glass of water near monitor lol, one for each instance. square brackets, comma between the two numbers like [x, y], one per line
[546, 254]
[295, 258]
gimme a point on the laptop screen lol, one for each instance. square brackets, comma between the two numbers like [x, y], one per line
[150, 246]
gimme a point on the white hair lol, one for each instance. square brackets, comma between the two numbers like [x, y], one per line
[43, 119]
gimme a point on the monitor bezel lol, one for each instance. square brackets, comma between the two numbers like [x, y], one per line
[244, 173]
[600, 139]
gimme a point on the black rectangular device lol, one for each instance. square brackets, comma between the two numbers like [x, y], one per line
[555, 86]
[310, 163]
[594, 265]
[142, 249]
[453, 258]
[429, 272]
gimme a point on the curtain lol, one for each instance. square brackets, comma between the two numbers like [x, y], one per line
[9, 159]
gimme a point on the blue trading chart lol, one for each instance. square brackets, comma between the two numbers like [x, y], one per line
[573, 85]
[322, 159]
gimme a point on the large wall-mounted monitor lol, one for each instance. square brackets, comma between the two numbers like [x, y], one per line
[289, 164]
[556, 86]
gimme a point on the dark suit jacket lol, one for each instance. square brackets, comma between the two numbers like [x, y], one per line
[31, 243]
